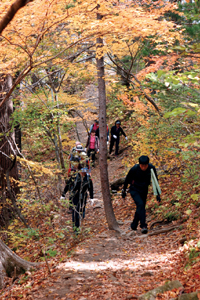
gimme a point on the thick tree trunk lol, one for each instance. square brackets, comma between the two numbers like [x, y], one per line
[11, 264]
[6, 137]
[110, 217]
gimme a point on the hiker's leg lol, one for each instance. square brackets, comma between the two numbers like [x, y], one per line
[117, 147]
[75, 213]
[140, 208]
[111, 144]
[135, 222]
[93, 158]
[88, 153]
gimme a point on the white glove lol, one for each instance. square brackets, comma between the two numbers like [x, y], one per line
[92, 202]
[62, 198]
[107, 142]
[98, 151]
[126, 138]
[108, 137]
[85, 149]
[115, 137]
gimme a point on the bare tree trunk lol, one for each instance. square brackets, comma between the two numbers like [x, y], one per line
[6, 134]
[11, 264]
[110, 217]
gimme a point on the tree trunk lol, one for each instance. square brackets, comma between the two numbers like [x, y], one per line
[11, 264]
[110, 217]
[6, 137]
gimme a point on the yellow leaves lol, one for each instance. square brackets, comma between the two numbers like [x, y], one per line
[37, 167]
[62, 26]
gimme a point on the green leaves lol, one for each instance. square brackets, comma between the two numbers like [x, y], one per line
[175, 112]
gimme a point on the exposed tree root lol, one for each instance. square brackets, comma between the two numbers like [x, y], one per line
[11, 264]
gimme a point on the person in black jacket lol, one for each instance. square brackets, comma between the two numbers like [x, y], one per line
[78, 188]
[139, 178]
[115, 133]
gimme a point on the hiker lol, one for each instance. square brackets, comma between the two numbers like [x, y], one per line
[81, 184]
[84, 161]
[97, 133]
[115, 133]
[75, 153]
[94, 126]
[139, 178]
[92, 146]
[72, 173]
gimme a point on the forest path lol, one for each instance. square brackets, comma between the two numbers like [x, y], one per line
[104, 264]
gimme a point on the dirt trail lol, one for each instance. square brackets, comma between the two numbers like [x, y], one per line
[108, 266]
[105, 265]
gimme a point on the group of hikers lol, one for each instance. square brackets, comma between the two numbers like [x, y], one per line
[79, 181]
[116, 131]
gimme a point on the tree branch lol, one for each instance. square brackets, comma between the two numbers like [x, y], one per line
[13, 9]
[140, 85]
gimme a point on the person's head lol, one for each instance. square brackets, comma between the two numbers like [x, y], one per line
[84, 171]
[79, 148]
[117, 123]
[96, 121]
[83, 155]
[144, 162]
[93, 132]
[83, 159]
[78, 143]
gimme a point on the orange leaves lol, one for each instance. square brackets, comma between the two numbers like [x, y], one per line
[125, 99]
[156, 63]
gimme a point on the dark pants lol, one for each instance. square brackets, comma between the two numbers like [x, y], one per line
[78, 211]
[92, 152]
[116, 146]
[140, 214]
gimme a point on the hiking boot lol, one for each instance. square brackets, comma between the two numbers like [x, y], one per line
[133, 228]
[144, 230]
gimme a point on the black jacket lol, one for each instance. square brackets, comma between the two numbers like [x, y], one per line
[139, 180]
[78, 187]
[116, 131]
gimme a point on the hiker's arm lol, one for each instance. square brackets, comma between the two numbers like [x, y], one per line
[66, 188]
[122, 131]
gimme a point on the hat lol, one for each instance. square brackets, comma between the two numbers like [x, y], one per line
[96, 121]
[78, 143]
[143, 160]
[118, 122]
[83, 154]
[79, 148]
